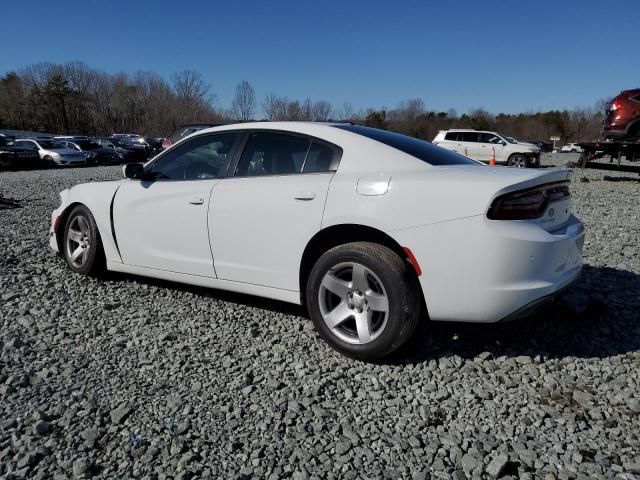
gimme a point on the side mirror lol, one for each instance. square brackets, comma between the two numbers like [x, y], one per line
[134, 171]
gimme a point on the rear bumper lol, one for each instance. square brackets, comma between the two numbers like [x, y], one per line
[485, 271]
[532, 308]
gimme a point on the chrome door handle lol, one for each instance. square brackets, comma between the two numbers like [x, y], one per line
[196, 201]
[305, 196]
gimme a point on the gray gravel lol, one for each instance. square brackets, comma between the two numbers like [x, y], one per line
[131, 377]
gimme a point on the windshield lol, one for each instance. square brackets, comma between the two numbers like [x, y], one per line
[88, 145]
[6, 142]
[420, 149]
[511, 140]
[51, 145]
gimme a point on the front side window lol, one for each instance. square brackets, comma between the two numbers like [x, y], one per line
[201, 158]
[277, 154]
[490, 138]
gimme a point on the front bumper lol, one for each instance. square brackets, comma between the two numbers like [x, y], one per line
[481, 270]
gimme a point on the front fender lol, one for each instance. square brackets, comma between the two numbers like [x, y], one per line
[98, 198]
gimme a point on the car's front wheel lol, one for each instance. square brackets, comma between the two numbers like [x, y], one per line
[82, 244]
[517, 160]
[363, 300]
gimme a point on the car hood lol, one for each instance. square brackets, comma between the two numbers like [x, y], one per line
[14, 148]
[64, 151]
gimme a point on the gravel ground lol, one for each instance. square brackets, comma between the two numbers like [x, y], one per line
[131, 377]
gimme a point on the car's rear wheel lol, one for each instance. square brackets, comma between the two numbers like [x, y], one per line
[363, 300]
[517, 160]
[82, 244]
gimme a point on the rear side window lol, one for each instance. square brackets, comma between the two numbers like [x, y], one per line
[277, 154]
[319, 159]
[420, 149]
[469, 136]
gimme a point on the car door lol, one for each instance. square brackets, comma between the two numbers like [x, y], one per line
[470, 145]
[452, 141]
[160, 221]
[490, 143]
[262, 216]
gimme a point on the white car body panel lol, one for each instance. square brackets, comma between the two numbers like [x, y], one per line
[252, 245]
[163, 225]
[249, 233]
[97, 197]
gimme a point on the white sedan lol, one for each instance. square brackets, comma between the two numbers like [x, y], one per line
[373, 231]
[55, 153]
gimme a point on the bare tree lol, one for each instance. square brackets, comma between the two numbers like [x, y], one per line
[244, 101]
[275, 107]
[189, 85]
[345, 112]
[321, 111]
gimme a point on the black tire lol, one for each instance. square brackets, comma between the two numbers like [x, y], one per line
[48, 161]
[517, 160]
[399, 284]
[93, 259]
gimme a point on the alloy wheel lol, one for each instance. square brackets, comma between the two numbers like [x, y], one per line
[78, 241]
[353, 303]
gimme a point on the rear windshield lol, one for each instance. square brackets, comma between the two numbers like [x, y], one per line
[425, 151]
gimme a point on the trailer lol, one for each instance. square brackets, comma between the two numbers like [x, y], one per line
[615, 150]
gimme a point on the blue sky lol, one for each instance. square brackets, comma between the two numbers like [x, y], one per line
[504, 56]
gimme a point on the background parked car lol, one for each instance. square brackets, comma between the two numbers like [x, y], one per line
[55, 153]
[480, 145]
[184, 131]
[571, 147]
[96, 154]
[16, 155]
[623, 116]
[155, 145]
[545, 147]
[136, 150]
[129, 151]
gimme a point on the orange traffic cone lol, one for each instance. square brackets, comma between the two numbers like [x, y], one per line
[492, 162]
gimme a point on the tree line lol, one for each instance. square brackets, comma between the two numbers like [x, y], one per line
[73, 98]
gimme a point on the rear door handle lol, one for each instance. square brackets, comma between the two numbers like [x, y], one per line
[305, 196]
[196, 200]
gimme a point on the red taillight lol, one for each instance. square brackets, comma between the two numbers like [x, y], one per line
[166, 143]
[617, 107]
[527, 204]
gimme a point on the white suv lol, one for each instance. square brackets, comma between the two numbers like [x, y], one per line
[571, 147]
[481, 145]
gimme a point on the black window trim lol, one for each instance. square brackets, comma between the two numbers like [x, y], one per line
[223, 170]
[242, 144]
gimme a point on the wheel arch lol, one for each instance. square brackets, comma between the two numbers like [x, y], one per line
[62, 220]
[633, 128]
[340, 234]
